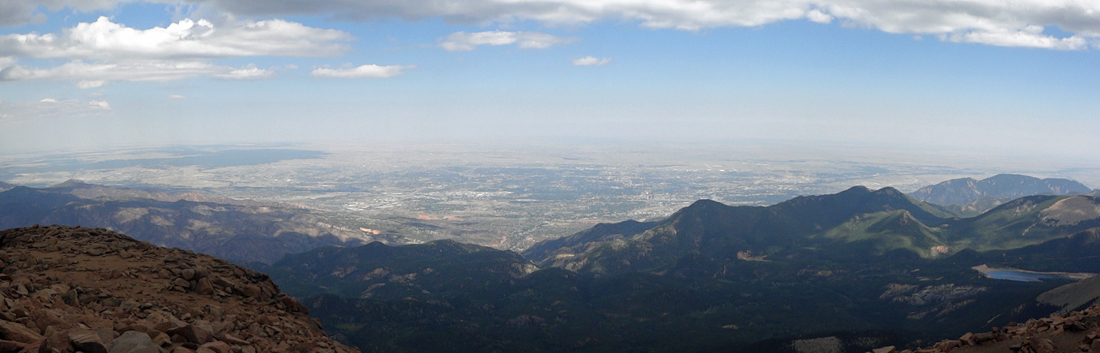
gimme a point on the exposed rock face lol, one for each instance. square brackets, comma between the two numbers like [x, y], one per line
[73, 289]
[1078, 331]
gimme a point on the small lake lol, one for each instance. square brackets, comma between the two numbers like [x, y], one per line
[1019, 276]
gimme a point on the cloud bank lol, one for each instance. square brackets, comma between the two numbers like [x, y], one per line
[1020, 23]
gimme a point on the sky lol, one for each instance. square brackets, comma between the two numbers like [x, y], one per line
[1003, 77]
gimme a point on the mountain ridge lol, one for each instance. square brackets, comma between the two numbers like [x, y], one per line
[716, 230]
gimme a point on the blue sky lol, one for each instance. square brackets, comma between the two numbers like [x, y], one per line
[1003, 77]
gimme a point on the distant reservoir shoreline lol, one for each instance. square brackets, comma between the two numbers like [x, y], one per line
[1015, 274]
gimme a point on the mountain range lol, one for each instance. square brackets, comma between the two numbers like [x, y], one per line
[970, 197]
[236, 230]
[855, 222]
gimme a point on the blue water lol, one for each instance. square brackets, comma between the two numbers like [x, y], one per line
[1018, 276]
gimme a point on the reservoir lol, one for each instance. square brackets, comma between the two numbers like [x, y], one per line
[1018, 276]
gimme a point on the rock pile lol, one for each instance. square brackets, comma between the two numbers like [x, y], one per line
[1077, 331]
[73, 289]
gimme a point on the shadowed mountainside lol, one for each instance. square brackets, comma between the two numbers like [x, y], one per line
[448, 297]
[386, 272]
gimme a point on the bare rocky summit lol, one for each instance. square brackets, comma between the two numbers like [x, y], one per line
[74, 289]
[1077, 331]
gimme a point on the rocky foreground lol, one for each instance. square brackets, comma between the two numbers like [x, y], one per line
[73, 289]
[1077, 331]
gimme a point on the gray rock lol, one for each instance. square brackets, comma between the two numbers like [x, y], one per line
[133, 342]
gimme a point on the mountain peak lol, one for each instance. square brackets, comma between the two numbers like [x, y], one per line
[704, 203]
[858, 189]
[888, 191]
[1001, 186]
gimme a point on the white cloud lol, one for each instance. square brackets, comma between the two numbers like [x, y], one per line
[103, 51]
[461, 41]
[816, 15]
[591, 61]
[100, 104]
[86, 84]
[176, 96]
[1028, 37]
[365, 71]
[51, 108]
[247, 74]
[186, 39]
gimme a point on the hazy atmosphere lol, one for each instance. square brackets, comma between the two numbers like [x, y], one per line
[988, 78]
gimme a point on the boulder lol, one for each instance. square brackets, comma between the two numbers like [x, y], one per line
[86, 340]
[216, 346]
[192, 333]
[133, 342]
[204, 286]
[19, 333]
[11, 346]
